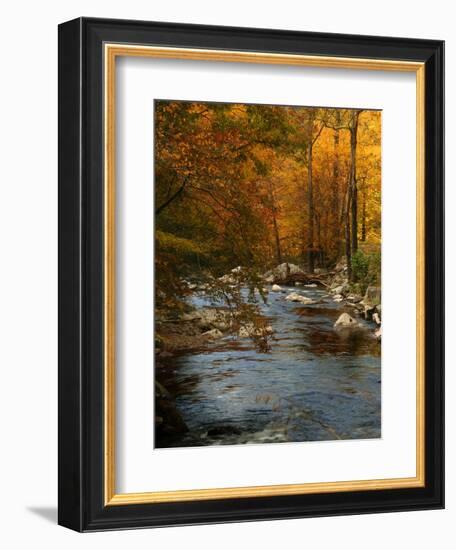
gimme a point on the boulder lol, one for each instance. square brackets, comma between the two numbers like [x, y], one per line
[346, 321]
[276, 288]
[283, 271]
[340, 288]
[295, 297]
[376, 318]
[209, 318]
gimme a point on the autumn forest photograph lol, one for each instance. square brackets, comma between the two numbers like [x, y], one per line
[267, 289]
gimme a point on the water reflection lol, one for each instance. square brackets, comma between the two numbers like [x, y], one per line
[316, 384]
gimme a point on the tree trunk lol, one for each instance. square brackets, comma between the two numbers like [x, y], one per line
[353, 183]
[277, 238]
[348, 250]
[310, 205]
[363, 216]
[335, 187]
[274, 224]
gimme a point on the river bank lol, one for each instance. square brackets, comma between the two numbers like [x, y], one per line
[193, 329]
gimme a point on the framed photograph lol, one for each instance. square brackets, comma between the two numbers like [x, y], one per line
[250, 274]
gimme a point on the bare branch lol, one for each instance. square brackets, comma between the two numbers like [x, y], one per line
[172, 198]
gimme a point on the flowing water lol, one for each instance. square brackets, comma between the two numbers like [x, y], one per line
[316, 383]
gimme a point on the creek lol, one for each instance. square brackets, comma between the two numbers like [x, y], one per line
[316, 383]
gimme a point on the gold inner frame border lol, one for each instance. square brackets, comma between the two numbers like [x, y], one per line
[111, 53]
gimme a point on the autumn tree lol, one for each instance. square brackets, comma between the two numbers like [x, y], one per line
[259, 185]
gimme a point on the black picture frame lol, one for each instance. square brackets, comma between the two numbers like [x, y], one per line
[81, 471]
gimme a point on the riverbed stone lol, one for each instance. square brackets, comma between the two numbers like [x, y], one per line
[276, 288]
[354, 298]
[346, 321]
[213, 334]
[295, 297]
